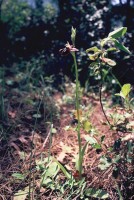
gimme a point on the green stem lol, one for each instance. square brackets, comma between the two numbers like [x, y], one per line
[78, 115]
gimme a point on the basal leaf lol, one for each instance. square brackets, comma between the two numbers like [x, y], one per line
[83, 149]
[22, 194]
[46, 181]
[52, 170]
[91, 140]
[77, 162]
[18, 176]
[62, 169]
[97, 146]
[96, 193]
[104, 164]
[118, 32]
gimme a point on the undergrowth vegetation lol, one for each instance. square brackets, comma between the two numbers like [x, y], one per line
[72, 143]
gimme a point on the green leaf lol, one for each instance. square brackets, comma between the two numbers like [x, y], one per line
[120, 94]
[118, 33]
[94, 49]
[18, 176]
[104, 164]
[83, 150]
[52, 170]
[48, 182]
[49, 173]
[104, 41]
[77, 162]
[63, 169]
[93, 56]
[119, 192]
[96, 193]
[91, 140]
[21, 194]
[126, 88]
[87, 126]
[111, 49]
[117, 159]
[97, 146]
[94, 64]
[121, 46]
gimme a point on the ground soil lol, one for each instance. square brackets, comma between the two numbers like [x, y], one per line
[19, 136]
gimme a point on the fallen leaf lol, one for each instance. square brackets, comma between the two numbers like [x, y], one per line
[61, 156]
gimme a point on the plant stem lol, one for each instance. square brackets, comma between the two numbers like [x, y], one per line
[78, 115]
[100, 96]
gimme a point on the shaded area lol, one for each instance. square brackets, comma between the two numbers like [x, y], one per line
[27, 31]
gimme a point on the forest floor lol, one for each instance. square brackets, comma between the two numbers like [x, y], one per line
[36, 127]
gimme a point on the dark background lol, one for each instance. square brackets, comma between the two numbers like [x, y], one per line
[32, 32]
